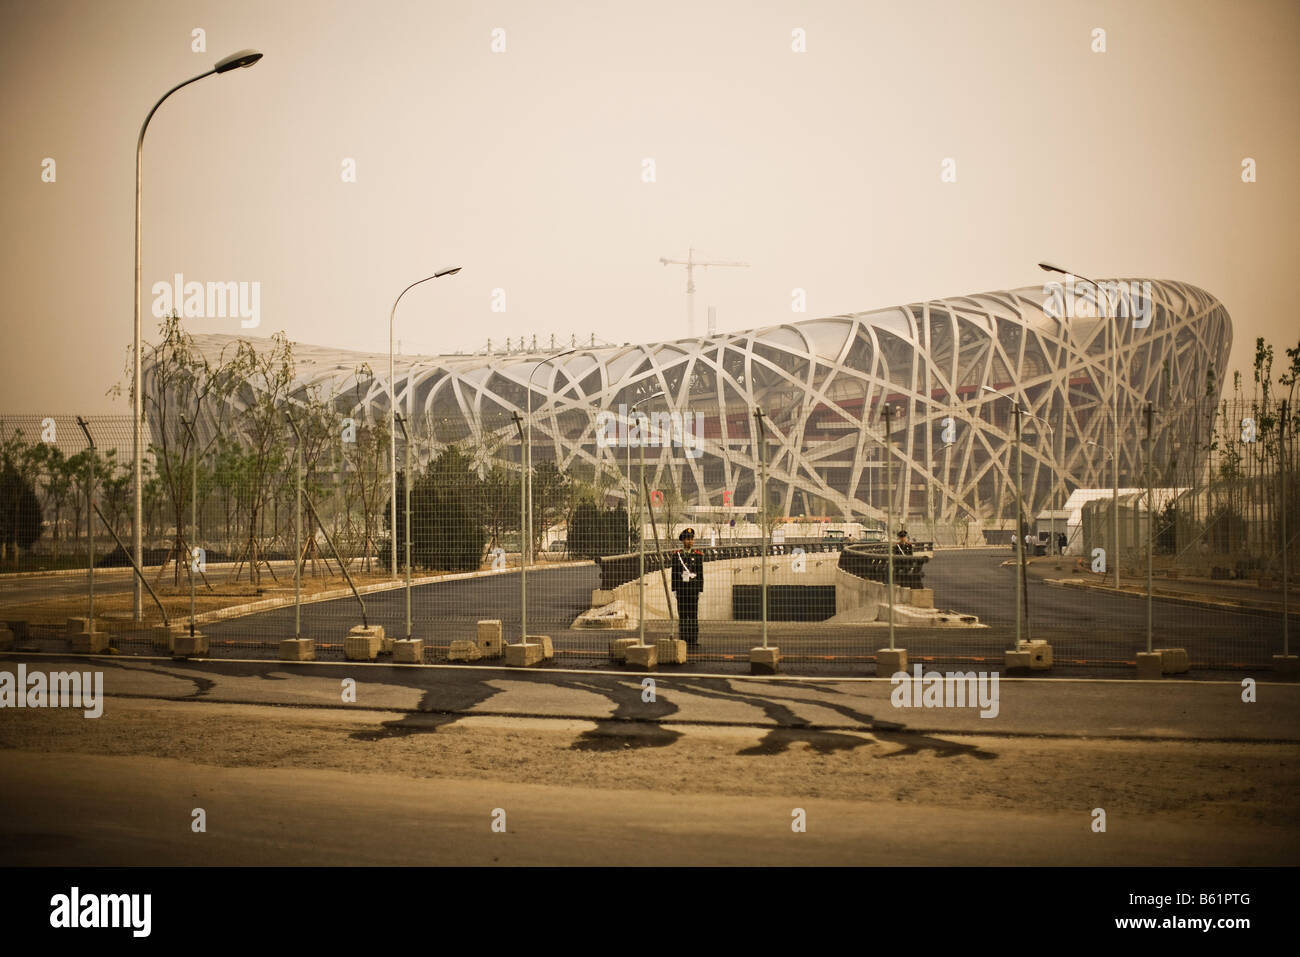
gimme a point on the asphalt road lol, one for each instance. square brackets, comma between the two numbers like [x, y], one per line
[1089, 629]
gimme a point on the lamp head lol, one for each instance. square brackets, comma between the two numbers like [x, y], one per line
[244, 58]
[446, 271]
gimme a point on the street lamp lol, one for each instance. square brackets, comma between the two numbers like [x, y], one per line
[244, 58]
[1022, 591]
[1114, 391]
[392, 408]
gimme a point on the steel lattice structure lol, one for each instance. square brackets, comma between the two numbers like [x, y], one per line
[822, 384]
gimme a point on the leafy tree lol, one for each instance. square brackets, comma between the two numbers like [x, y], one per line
[20, 516]
[595, 531]
[447, 525]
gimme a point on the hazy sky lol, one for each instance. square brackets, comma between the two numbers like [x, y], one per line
[822, 169]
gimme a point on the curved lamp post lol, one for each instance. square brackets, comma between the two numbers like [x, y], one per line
[244, 58]
[1114, 392]
[392, 410]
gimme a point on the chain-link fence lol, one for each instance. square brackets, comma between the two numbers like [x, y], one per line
[278, 522]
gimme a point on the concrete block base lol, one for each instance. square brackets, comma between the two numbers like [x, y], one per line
[670, 651]
[522, 655]
[1016, 662]
[464, 651]
[297, 649]
[618, 648]
[1148, 665]
[190, 646]
[408, 651]
[1286, 667]
[373, 633]
[642, 656]
[1173, 661]
[92, 643]
[386, 645]
[162, 637]
[764, 661]
[360, 648]
[79, 626]
[922, 598]
[488, 638]
[890, 661]
[548, 649]
[1029, 656]
[18, 627]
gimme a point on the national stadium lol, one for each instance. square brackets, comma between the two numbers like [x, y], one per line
[823, 386]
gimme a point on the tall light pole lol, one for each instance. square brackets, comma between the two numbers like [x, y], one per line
[1022, 592]
[392, 409]
[1113, 335]
[760, 440]
[244, 58]
[888, 412]
[406, 508]
[90, 520]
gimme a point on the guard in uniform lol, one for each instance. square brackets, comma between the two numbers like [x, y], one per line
[688, 582]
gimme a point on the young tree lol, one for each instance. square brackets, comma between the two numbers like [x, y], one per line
[265, 375]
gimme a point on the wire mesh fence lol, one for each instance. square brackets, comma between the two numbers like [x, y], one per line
[294, 517]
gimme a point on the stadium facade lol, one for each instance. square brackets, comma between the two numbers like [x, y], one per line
[823, 385]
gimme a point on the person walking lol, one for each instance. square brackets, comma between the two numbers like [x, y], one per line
[688, 582]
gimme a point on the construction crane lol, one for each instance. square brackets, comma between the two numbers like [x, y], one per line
[690, 262]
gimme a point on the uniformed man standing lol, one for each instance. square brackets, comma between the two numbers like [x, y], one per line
[688, 582]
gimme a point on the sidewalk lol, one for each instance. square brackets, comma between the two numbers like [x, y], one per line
[1210, 593]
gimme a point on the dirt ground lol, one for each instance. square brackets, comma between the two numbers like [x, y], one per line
[1192, 782]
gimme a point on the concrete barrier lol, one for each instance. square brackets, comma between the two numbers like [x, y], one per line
[548, 649]
[79, 626]
[523, 655]
[1033, 655]
[764, 661]
[1149, 665]
[297, 649]
[670, 651]
[408, 651]
[642, 656]
[1173, 661]
[464, 651]
[93, 643]
[618, 649]
[190, 646]
[372, 635]
[488, 638]
[360, 648]
[890, 661]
